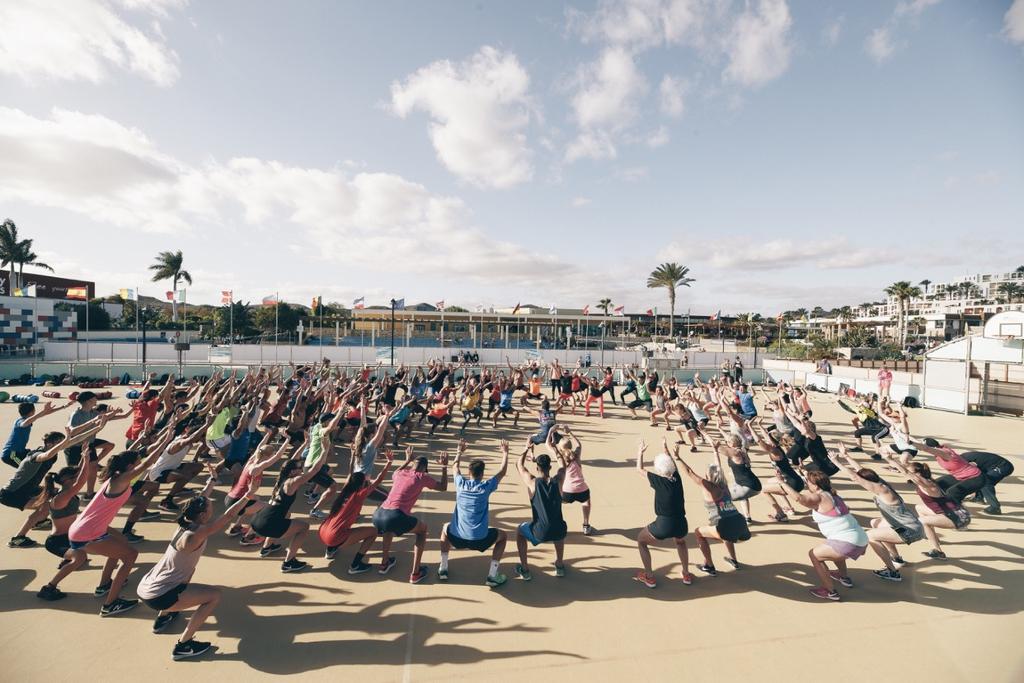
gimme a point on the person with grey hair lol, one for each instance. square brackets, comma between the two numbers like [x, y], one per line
[670, 515]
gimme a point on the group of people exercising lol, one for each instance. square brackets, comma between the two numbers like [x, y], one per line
[238, 428]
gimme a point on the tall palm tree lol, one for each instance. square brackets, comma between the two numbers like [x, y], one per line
[1019, 270]
[9, 250]
[27, 257]
[903, 292]
[845, 316]
[670, 276]
[168, 267]
[1010, 291]
[605, 304]
[925, 283]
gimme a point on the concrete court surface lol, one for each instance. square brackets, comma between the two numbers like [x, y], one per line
[951, 620]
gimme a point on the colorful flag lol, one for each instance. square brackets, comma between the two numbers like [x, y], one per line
[620, 310]
[553, 310]
[516, 309]
[439, 305]
[25, 291]
[780, 317]
[716, 316]
[399, 304]
[316, 304]
[586, 310]
[169, 295]
[80, 293]
[650, 312]
[128, 294]
[227, 297]
[179, 296]
[359, 303]
[270, 300]
[479, 308]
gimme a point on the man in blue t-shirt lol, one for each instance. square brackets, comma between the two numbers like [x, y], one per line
[16, 446]
[469, 528]
[747, 408]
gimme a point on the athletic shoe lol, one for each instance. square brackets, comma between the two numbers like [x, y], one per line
[978, 498]
[318, 515]
[588, 530]
[780, 516]
[385, 567]
[168, 506]
[899, 561]
[330, 553]
[523, 573]
[750, 520]
[844, 580]
[888, 574]
[825, 594]
[442, 574]
[117, 607]
[149, 516]
[419, 575]
[234, 531]
[133, 537]
[687, 579]
[734, 563]
[163, 621]
[190, 648]
[51, 593]
[991, 509]
[269, 550]
[43, 525]
[102, 589]
[293, 565]
[646, 579]
[856, 449]
[497, 580]
[936, 554]
[560, 572]
[360, 568]
[251, 539]
[21, 542]
[708, 569]
[693, 449]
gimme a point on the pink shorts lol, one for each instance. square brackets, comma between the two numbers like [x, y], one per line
[846, 549]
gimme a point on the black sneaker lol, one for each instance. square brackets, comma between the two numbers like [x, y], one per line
[168, 506]
[163, 621]
[708, 569]
[888, 574]
[133, 537]
[360, 568]
[102, 589]
[117, 607]
[21, 542]
[994, 510]
[51, 593]
[268, 550]
[936, 554]
[293, 565]
[43, 525]
[190, 648]
[330, 553]
[149, 516]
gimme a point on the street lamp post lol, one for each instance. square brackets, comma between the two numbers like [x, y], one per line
[392, 333]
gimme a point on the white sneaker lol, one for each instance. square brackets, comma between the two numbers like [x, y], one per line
[318, 515]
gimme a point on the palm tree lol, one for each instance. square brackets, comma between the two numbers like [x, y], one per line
[605, 304]
[1019, 270]
[9, 250]
[168, 267]
[903, 292]
[1011, 291]
[925, 283]
[670, 276]
[845, 316]
[27, 257]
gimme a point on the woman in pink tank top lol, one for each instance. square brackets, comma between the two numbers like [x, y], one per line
[90, 533]
[574, 486]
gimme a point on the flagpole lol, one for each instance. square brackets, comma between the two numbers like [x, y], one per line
[87, 323]
[320, 333]
[231, 326]
[442, 329]
[277, 318]
[136, 324]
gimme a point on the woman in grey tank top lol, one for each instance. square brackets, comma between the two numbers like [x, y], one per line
[898, 524]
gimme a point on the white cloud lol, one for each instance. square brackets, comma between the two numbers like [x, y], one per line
[116, 176]
[84, 40]
[671, 91]
[759, 47]
[751, 253]
[1013, 22]
[881, 42]
[480, 110]
[605, 103]
[632, 174]
[658, 138]
[580, 202]
[832, 31]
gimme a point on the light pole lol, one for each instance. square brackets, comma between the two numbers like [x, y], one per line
[392, 333]
[602, 343]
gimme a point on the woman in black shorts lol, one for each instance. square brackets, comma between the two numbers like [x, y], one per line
[273, 523]
[670, 520]
[783, 468]
[167, 588]
[728, 524]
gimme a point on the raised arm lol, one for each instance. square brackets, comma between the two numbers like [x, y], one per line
[640, 449]
[504, 461]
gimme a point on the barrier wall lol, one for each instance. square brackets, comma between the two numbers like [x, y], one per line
[862, 380]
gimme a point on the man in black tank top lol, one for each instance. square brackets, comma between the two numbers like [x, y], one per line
[547, 525]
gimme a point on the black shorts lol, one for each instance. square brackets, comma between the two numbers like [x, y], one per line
[19, 498]
[689, 423]
[295, 436]
[637, 403]
[162, 602]
[393, 522]
[733, 528]
[668, 527]
[229, 501]
[506, 410]
[480, 545]
[270, 524]
[323, 478]
[57, 544]
[580, 497]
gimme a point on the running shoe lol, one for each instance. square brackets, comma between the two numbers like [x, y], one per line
[844, 580]
[936, 554]
[825, 594]
[646, 579]
[43, 525]
[497, 580]
[687, 579]
[693, 449]
[51, 593]
[523, 573]
[560, 572]
[251, 539]
[385, 567]
[163, 621]
[708, 569]
[102, 589]
[588, 530]
[330, 553]
[168, 505]
[360, 568]
[419, 575]
[780, 516]
[442, 574]
[734, 563]
[133, 537]
[21, 542]
[888, 574]
[990, 510]
[899, 561]
[149, 516]
[117, 607]
[269, 550]
[293, 565]
[190, 648]
[234, 531]
[318, 515]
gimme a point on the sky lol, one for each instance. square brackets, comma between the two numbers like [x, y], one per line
[790, 153]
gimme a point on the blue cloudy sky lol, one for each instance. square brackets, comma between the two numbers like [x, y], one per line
[790, 153]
